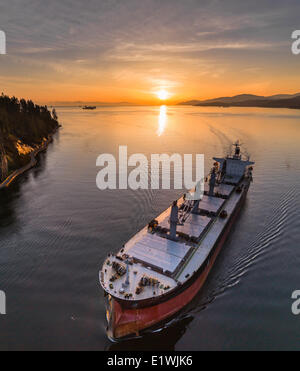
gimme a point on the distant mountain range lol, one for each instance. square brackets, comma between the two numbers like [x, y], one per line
[250, 100]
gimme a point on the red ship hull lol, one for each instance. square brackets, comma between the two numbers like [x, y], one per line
[124, 322]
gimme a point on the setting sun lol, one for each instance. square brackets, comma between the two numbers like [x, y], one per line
[162, 94]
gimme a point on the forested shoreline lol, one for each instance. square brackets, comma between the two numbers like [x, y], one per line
[24, 126]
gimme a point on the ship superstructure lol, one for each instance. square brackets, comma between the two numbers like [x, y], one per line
[161, 269]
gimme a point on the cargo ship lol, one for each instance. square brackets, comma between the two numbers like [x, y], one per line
[89, 107]
[161, 269]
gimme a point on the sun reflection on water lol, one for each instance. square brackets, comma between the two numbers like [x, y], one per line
[162, 120]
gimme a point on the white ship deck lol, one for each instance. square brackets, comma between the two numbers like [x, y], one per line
[136, 272]
[159, 252]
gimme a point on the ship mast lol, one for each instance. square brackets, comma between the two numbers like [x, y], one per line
[237, 152]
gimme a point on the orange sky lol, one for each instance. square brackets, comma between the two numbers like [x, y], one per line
[128, 51]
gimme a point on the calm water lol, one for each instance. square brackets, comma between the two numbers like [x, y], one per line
[56, 228]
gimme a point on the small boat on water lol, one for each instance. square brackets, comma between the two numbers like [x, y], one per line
[162, 268]
[89, 107]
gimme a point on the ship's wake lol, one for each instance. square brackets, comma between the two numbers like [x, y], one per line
[282, 214]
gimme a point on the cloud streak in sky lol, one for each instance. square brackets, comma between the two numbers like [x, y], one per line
[119, 49]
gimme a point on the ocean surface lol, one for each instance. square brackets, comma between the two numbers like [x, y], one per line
[56, 227]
